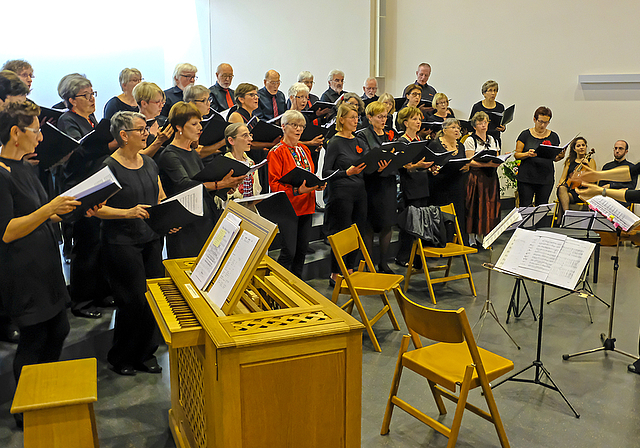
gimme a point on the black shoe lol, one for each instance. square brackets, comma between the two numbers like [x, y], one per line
[310, 250]
[332, 282]
[89, 314]
[384, 267]
[19, 421]
[124, 370]
[150, 366]
[635, 367]
[106, 302]
[404, 264]
[10, 333]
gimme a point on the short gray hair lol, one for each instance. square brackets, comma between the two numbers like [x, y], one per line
[298, 87]
[347, 96]
[184, 67]
[489, 85]
[193, 91]
[292, 116]
[305, 74]
[333, 73]
[71, 86]
[126, 74]
[370, 78]
[121, 121]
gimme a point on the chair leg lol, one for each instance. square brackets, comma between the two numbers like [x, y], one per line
[392, 316]
[462, 401]
[427, 277]
[446, 273]
[395, 383]
[412, 257]
[437, 397]
[336, 290]
[468, 268]
[366, 323]
[495, 415]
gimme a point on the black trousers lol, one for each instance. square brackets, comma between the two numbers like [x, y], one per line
[341, 212]
[527, 192]
[135, 337]
[87, 278]
[41, 342]
[292, 255]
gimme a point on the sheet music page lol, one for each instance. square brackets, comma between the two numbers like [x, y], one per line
[93, 183]
[233, 268]
[191, 199]
[258, 197]
[614, 211]
[256, 167]
[512, 217]
[531, 253]
[215, 252]
[570, 263]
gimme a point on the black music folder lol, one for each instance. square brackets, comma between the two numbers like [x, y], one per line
[50, 115]
[176, 211]
[263, 131]
[296, 176]
[507, 115]
[55, 146]
[312, 131]
[213, 129]
[489, 155]
[550, 151]
[429, 155]
[379, 154]
[92, 191]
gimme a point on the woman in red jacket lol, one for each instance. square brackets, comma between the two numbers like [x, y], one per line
[285, 156]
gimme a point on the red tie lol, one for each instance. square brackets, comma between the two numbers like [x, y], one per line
[229, 100]
[275, 107]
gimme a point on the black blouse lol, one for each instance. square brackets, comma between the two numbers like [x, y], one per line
[139, 186]
[341, 154]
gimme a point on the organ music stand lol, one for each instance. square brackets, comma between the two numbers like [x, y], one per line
[537, 362]
[531, 216]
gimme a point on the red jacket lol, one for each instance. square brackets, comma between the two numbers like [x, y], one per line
[280, 163]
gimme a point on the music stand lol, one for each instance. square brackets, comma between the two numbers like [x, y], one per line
[585, 220]
[531, 216]
[514, 267]
[608, 342]
[488, 308]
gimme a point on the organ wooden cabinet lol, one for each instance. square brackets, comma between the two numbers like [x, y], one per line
[281, 368]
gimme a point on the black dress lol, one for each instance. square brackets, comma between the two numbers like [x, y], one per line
[495, 117]
[32, 285]
[177, 168]
[381, 188]
[114, 105]
[133, 253]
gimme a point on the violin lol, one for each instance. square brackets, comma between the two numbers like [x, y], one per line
[574, 180]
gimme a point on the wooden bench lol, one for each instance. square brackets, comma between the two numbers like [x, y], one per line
[57, 401]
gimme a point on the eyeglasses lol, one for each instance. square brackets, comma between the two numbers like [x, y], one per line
[229, 77]
[246, 135]
[302, 96]
[162, 101]
[252, 95]
[297, 126]
[88, 96]
[136, 80]
[455, 128]
[206, 100]
[35, 131]
[442, 103]
[414, 93]
[274, 83]
[308, 82]
[190, 77]
[543, 122]
[143, 130]
[28, 75]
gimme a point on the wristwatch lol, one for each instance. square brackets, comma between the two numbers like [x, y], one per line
[604, 192]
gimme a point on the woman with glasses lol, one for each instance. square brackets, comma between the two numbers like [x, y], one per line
[150, 99]
[448, 183]
[179, 163]
[80, 98]
[413, 94]
[238, 140]
[492, 108]
[284, 157]
[133, 251]
[200, 96]
[32, 286]
[536, 175]
[299, 100]
[347, 199]
[441, 106]
[390, 104]
[483, 189]
[128, 78]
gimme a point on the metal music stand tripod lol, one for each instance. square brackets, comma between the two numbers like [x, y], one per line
[608, 342]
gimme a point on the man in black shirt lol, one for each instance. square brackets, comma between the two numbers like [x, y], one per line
[272, 101]
[183, 75]
[370, 89]
[620, 151]
[422, 77]
[221, 93]
[336, 81]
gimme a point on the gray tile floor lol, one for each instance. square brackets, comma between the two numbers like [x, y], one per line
[132, 411]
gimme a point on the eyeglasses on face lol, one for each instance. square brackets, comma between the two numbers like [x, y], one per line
[87, 96]
[143, 130]
[189, 77]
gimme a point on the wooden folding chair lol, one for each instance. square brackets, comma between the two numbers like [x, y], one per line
[362, 282]
[455, 361]
[454, 249]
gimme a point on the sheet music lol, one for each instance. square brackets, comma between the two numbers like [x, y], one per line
[614, 211]
[215, 252]
[191, 199]
[258, 197]
[256, 167]
[233, 268]
[545, 256]
[512, 217]
[99, 180]
[225, 114]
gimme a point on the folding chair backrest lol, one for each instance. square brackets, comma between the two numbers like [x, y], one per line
[452, 211]
[437, 325]
[345, 241]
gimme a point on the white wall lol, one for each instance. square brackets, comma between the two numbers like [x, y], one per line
[535, 50]
[102, 38]
[319, 36]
